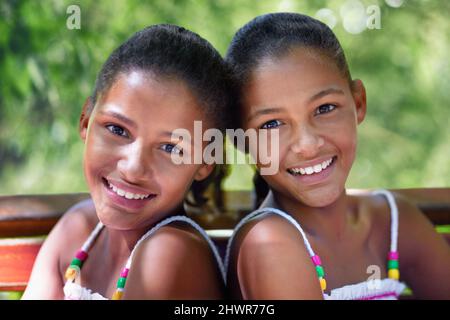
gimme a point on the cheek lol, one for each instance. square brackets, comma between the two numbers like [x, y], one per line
[177, 178]
[348, 143]
[98, 156]
[270, 148]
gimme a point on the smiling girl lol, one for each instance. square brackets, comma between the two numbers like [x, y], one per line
[133, 240]
[311, 239]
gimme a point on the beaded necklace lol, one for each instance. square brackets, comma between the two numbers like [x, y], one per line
[80, 257]
[77, 262]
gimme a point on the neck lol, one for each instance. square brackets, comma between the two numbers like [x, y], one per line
[118, 244]
[327, 223]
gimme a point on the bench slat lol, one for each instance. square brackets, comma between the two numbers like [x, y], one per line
[16, 262]
[37, 214]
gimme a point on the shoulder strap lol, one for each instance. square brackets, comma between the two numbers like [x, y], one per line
[193, 224]
[92, 237]
[394, 217]
[266, 210]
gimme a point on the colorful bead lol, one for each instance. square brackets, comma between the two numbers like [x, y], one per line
[393, 264]
[76, 262]
[393, 255]
[81, 255]
[316, 260]
[117, 295]
[394, 274]
[323, 283]
[124, 272]
[71, 273]
[320, 271]
[121, 282]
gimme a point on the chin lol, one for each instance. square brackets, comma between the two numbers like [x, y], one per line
[321, 198]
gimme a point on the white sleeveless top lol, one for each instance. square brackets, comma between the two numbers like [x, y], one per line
[74, 291]
[384, 289]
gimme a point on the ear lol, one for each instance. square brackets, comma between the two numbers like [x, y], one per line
[204, 171]
[84, 118]
[359, 96]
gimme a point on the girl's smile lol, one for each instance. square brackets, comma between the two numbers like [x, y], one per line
[127, 197]
[314, 172]
[304, 96]
[128, 148]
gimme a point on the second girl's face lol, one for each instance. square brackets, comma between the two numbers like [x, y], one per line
[127, 160]
[304, 96]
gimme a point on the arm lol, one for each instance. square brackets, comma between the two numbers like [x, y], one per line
[271, 262]
[174, 264]
[46, 280]
[424, 254]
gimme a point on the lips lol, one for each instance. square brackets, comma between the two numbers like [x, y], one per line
[303, 174]
[124, 196]
[312, 169]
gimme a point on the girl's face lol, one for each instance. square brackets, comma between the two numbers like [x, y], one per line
[127, 159]
[305, 97]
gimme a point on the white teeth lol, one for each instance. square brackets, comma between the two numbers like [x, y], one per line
[310, 170]
[127, 195]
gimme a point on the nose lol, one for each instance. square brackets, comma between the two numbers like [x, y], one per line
[307, 142]
[135, 164]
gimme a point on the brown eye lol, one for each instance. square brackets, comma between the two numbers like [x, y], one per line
[171, 148]
[116, 130]
[325, 108]
[271, 124]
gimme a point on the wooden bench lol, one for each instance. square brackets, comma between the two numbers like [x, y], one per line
[26, 219]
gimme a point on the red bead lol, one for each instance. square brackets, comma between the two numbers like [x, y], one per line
[393, 255]
[82, 255]
[124, 272]
[316, 260]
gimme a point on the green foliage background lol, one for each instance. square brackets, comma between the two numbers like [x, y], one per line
[47, 71]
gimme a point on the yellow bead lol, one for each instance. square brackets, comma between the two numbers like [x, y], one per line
[70, 274]
[394, 274]
[117, 295]
[323, 283]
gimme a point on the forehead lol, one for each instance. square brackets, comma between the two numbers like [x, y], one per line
[298, 75]
[144, 96]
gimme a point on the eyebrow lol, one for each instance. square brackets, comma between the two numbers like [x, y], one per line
[120, 117]
[261, 112]
[318, 95]
[324, 93]
[169, 134]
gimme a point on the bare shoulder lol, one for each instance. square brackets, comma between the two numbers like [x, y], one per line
[419, 246]
[46, 280]
[69, 234]
[272, 245]
[78, 221]
[267, 230]
[416, 232]
[174, 259]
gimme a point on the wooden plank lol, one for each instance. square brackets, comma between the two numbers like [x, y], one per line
[16, 262]
[37, 214]
[32, 215]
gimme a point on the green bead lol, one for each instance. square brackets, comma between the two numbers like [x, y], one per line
[121, 282]
[76, 262]
[393, 264]
[320, 271]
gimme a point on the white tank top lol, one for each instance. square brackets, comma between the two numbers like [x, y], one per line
[74, 291]
[384, 289]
